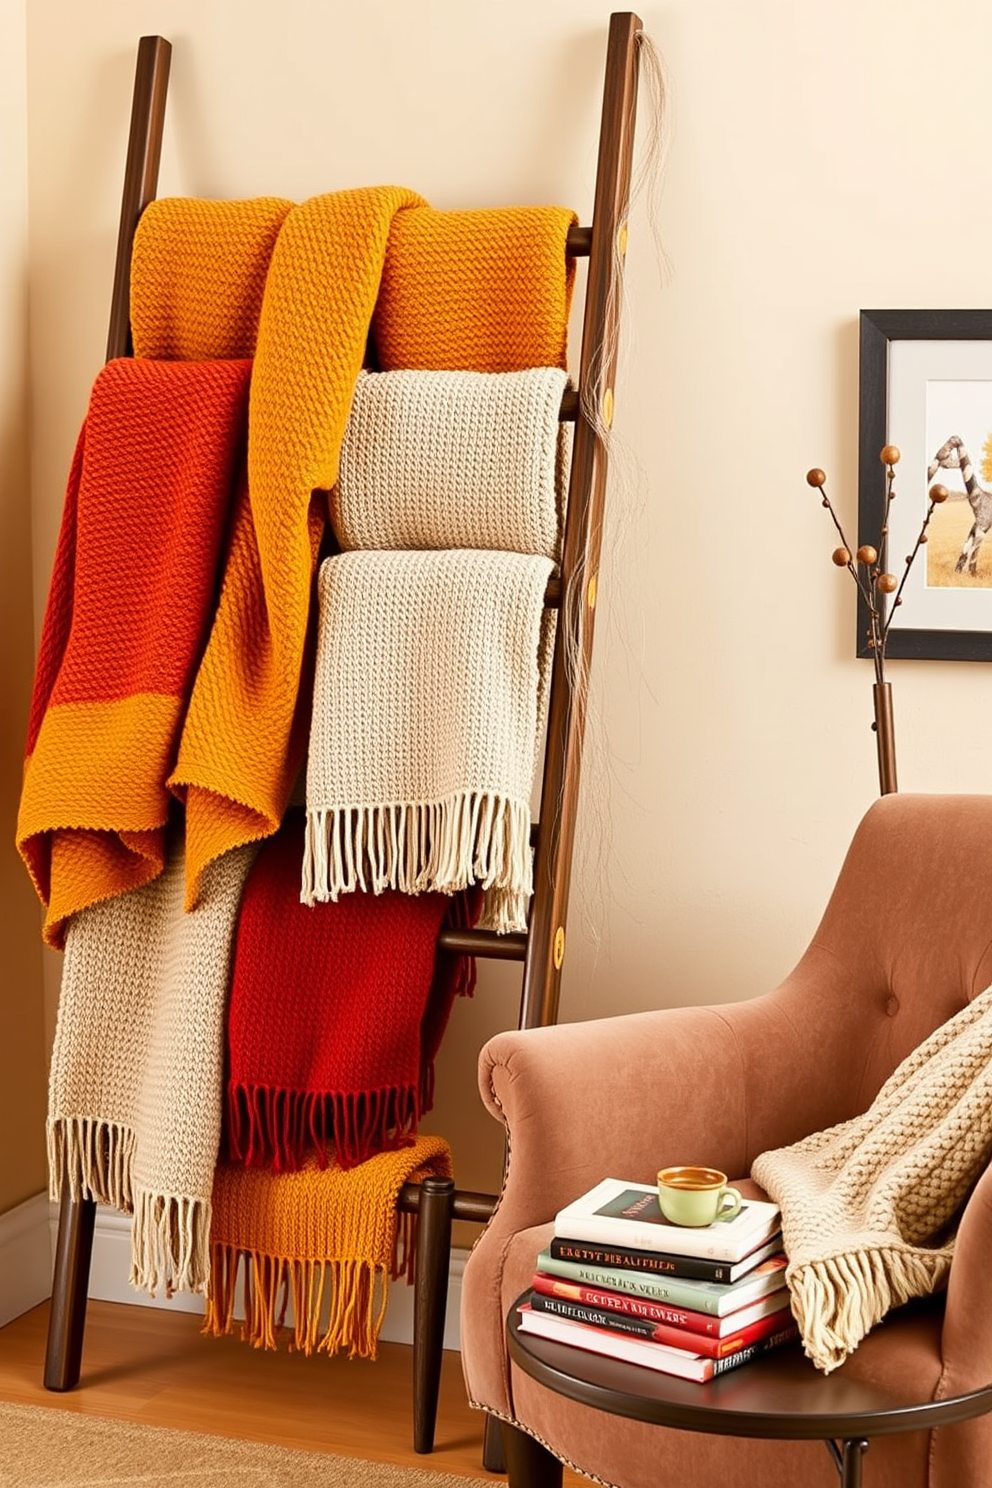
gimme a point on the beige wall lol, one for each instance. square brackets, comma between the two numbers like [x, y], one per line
[826, 155]
[22, 1071]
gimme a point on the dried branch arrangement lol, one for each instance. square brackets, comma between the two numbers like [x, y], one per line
[876, 585]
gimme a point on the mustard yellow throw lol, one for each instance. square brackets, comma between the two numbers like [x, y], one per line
[325, 1241]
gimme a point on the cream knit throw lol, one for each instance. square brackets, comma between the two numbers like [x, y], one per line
[137, 1067]
[453, 460]
[427, 702]
[868, 1206]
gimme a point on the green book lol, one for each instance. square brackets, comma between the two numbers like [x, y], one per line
[714, 1297]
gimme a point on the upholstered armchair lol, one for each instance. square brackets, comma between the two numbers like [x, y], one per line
[905, 942]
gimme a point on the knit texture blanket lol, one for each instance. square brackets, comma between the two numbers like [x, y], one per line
[487, 290]
[335, 1017]
[869, 1206]
[137, 1069]
[131, 599]
[323, 1241]
[198, 271]
[483, 291]
[453, 460]
[427, 700]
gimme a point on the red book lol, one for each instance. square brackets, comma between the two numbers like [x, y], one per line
[677, 1338]
[663, 1313]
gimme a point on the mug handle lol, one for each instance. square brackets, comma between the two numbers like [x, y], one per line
[727, 1211]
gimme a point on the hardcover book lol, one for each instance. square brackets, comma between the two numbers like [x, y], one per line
[698, 1296]
[658, 1262]
[616, 1212]
[655, 1313]
[682, 1338]
[645, 1351]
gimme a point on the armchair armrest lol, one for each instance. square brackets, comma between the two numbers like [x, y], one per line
[613, 1097]
[620, 1097]
[967, 1338]
[961, 1453]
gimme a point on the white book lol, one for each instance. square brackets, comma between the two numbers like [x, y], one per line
[621, 1213]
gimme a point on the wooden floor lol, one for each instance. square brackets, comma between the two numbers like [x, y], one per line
[145, 1364]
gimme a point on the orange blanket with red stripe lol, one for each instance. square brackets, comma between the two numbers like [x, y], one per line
[129, 610]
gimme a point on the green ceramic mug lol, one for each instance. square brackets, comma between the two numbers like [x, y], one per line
[696, 1196]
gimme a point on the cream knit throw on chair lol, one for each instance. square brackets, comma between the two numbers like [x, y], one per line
[427, 700]
[136, 1081]
[868, 1207]
[453, 460]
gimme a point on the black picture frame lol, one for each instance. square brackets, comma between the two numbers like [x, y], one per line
[879, 329]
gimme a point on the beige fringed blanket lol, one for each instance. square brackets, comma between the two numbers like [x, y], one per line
[868, 1207]
[136, 1080]
[453, 460]
[427, 701]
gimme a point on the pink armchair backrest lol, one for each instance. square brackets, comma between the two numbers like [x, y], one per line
[904, 943]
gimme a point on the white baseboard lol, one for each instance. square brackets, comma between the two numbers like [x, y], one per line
[111, 1265]
[25, 1257]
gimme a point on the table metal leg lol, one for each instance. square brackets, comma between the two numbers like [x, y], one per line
[847, 1460]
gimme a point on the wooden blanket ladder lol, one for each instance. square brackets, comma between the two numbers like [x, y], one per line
[541, 949]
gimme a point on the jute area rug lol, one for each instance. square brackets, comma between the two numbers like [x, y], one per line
[47, 1448]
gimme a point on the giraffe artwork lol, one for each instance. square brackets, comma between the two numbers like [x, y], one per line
[952, 455]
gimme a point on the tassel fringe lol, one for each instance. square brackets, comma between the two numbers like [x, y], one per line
[170, 1246]
[278, 1127]
[95, 1157]
[336, 1304]
[836, 1302]
[470, 837]
[170, 1234]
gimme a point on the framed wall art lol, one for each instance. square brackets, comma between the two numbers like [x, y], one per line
[926, 386]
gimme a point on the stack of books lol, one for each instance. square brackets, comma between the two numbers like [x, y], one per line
[619, 1279]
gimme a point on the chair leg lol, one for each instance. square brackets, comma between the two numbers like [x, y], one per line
[70, 1283]
[529, 1465]
[430, 1299]
[493, 1456]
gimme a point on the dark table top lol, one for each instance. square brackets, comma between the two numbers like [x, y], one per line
[779, 1394]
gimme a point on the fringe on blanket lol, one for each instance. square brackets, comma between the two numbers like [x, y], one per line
[469, 837]
[170, 1247]
[94, 1157]
[273, 1125]
[336, 1304]
[837, 1301]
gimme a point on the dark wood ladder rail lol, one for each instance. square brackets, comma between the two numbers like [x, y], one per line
[438, 1202]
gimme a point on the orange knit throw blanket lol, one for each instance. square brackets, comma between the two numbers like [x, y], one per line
[296, 287]
[129, 608]
[485, 291]
[324, 1241]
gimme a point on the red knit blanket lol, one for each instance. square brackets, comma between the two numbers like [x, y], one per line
[132, 595]
[336, 1014]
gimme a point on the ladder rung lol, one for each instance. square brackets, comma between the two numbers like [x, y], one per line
[512, 947]
[569, 410]
[477, 1207]
[578, 242]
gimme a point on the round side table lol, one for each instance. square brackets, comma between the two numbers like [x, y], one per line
[776, 1395]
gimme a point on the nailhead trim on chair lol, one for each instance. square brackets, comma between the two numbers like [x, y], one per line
[572, 1467]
